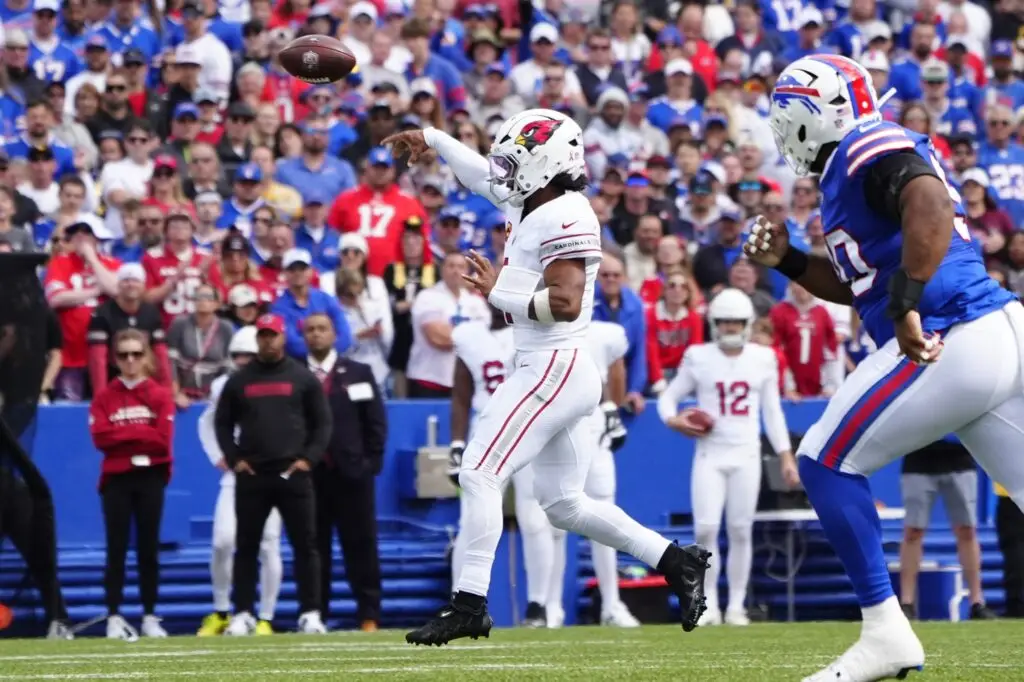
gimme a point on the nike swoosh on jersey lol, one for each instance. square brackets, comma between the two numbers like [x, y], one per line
[566, 226]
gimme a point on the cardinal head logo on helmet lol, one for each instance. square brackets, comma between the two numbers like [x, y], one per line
[536, 133]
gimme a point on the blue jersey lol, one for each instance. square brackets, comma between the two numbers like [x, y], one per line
[55, 66]
[12, 115]
[1010, 94]
[956, 120]
[662, 113]
[1005, 168]
[866, 248]
[62, 154]
[14, 18]
[476, 216]
[139, 36]
[847, 40]
[780, 16]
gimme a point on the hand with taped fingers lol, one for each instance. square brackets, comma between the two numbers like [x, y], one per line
[483, 276]
[767, 243]
[920, 347]
[412, 141]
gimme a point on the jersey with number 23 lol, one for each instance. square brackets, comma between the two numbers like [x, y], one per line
[866, 247]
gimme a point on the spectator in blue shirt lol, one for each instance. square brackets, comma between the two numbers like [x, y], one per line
[39, 122]
[951, 120]
[677, 104]
[314, 236]
[807, 37]
[1004, 87]
[906, 75]
[1003, 160]
[245, 199]
[615, 302]
[416, 34]
[314, 170]
[49, 58]
[300, 300]
[126, 30]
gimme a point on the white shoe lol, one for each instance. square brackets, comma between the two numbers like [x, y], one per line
[58, 630]
[885, 650]
[151, 627]
[118, 628]
[556, 616]
[618, 616]
[710, 617]
[736, 617]
[310, 624]
[241, 625]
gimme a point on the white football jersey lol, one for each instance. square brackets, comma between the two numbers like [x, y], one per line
[565, 227]
[607, 343]
[734, 390]
[487, 355]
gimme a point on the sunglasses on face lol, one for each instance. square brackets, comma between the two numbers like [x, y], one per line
[130, 354]
[116, 87]
[137, 140]
[204, 296]
[351, 252]
[676, 285]
[1000, 123]
[599, 47]
[240, 119]
[164, 175]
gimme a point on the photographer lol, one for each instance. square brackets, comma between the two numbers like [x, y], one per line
[132, 423]
[284, 427]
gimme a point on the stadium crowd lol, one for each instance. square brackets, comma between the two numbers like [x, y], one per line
[183, 183]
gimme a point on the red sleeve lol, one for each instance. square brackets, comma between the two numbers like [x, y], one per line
[696, 328]
[58, 277]
[152, 269]
[655, 372]
[337, 217]
[778, 322]
[829, 332]
[163, 364]
[163, 405]
[98, 356]
[104, 433]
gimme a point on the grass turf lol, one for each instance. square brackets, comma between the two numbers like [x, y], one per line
[977, 652]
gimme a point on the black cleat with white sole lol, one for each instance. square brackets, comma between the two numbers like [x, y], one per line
[684, 569]
[536, 616]
[455, 621]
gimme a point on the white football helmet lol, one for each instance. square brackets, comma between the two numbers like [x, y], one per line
[731, 305]
[818, 100]
[531, 148]
[244, 341]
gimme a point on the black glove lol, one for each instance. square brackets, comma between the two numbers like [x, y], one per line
[455, 461]
[614, 429]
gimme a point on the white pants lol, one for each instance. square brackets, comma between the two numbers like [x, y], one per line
[889, 406]
[726, 481]
[222, 558]
[535, 416]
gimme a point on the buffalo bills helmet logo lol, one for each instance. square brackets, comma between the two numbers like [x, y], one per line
[536, 133]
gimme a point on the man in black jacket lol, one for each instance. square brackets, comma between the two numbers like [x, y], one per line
[345, 490]
[283, 427]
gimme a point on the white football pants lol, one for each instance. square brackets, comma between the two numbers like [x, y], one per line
[600, 486]
[222, 558]
[726, 481]
[888, 406]
[536, 416]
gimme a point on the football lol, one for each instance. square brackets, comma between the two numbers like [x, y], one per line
[700, 418]
[317, 59]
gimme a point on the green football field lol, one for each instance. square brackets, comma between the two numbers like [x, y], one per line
[972, 652]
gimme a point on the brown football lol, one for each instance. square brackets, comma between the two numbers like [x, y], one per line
[317, 59]
[700, 419]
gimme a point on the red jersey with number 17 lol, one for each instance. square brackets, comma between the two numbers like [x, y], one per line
[806, 338]
[160, 264]
[380, 218]
[71, 273]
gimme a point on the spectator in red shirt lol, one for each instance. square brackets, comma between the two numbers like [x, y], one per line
[165, 190]
[377, 209]
[75, 284]
[673, 325]
[807, 336]
[669, 256]
[763, 333]
[132, 423]
[175, 269]
[236, 269]
[281, 239]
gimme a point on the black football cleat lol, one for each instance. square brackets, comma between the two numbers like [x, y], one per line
[684, 569]
[536, 616]
[455, 621]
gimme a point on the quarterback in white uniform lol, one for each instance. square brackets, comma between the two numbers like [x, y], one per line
[546, 288]
[608, 345]
[242, 349]
[736, 383]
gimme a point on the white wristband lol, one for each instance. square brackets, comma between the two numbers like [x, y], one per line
[542, 306]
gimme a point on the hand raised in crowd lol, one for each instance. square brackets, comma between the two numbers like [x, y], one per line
[242, 467]
[483, 276]
[413, 142]
[767, 243]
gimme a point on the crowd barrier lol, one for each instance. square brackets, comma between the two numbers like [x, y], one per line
[653, 471]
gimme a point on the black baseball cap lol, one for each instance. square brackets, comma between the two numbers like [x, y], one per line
[241, 110]
[235, 242]
[414, 223]
[134, 56]
[40, 154]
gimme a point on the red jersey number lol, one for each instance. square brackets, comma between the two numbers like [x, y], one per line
[732, 398]
[494, 375]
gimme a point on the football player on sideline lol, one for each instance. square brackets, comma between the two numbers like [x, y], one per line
[546, 286]
[950, 338]
[608, 345]
[242, 350]
[735, 382]
[484, 357]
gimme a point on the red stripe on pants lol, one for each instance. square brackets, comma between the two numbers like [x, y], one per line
[508, 419]
[534, 417]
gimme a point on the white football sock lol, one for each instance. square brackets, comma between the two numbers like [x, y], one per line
[538, 546]
[737, 569]
[556, 583]
[707, 536]
[481, 526]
